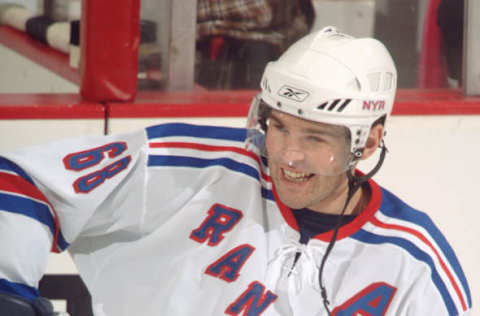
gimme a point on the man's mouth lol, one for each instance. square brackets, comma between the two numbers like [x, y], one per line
[296, 176]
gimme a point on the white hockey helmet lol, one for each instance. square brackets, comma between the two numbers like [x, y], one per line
[332, 78]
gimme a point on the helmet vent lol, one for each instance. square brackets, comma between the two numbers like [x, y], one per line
[332, 33]
[322, 106]
[334, 104]
[266, 86]
[388, 81]
[343, 105]
[379, 83]
[374, 80]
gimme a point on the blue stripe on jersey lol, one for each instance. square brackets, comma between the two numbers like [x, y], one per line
[44, 215]
[33, 209]
[8, 165]
[180, 129]
[394, 207]
[182, 161]
[23, 290]
[267, 194]
[370, 238]
[61, 242]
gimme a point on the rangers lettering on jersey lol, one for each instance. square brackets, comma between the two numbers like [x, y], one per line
[253, 301]
[373, 301]
[220, 220]
[228, 266]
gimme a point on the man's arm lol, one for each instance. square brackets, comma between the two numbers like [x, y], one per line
[48, 194]
[27, 231]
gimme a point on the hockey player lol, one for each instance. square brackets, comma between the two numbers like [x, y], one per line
[179, 219]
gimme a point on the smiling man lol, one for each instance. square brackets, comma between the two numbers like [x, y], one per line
[272, 220]
[323, 107]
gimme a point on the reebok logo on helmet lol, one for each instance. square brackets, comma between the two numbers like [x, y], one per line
[293, 93]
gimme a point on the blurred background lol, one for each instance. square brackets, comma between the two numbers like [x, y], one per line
[226, 44]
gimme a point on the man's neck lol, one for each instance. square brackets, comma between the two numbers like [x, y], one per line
[355, 206]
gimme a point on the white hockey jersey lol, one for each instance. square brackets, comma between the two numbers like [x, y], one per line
[179, 219]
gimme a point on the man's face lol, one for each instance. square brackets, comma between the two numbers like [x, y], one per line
[307, 161]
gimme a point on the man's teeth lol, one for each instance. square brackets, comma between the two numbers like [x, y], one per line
[296, 176]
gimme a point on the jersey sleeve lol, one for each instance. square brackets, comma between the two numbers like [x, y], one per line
[52, 194]
[440, 290]
[426, 298]
[435, 282]
[443, 280]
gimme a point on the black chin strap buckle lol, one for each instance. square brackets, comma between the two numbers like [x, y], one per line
[355, 180]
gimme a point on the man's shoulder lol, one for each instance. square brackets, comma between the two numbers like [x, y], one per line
[416, 233]
[396, 209]
[411, 229]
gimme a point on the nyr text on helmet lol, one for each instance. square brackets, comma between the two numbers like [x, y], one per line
[373, 105]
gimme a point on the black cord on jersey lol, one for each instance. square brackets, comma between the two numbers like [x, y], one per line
[354, 183]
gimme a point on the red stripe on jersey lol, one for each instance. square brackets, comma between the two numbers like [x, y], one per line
[18, 185]
[285, 210]
[204, 147]
[375, 221]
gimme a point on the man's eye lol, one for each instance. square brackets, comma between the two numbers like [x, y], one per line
[315, 139]
[277, 126]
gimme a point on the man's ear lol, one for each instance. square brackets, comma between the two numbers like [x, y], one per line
[373, 141]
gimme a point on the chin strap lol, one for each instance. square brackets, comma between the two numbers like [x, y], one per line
[354, 183]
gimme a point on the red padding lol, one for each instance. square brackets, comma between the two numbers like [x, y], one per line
[109, 39]
[432, 67]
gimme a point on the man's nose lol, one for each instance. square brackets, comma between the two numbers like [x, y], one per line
[292, 156]
[292, 150]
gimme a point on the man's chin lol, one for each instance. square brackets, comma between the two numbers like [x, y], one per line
[292, 203]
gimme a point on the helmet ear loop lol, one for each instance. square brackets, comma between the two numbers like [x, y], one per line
[357, 154]
[358, 180]
[263, 115]
[263, 124]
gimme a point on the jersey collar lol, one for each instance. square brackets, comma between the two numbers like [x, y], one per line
[347, 230]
